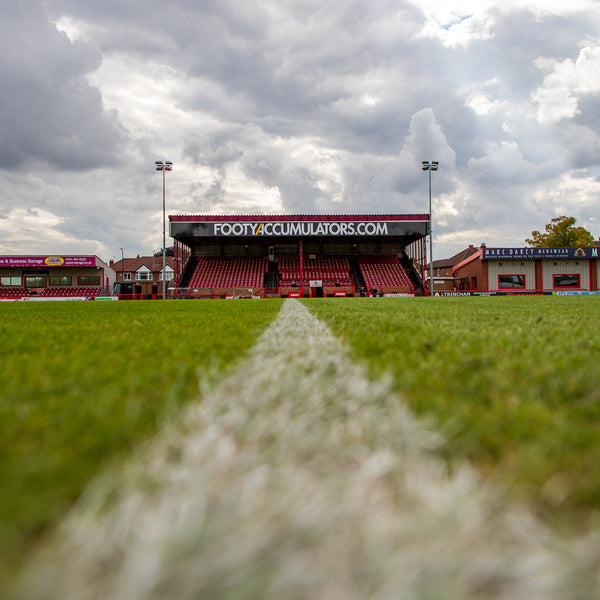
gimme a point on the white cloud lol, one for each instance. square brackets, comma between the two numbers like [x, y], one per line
[480, 98]
[564, 84]
[35, 229]
[456, 29]
[572, 193]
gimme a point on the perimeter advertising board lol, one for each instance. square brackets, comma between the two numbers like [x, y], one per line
[465, 294]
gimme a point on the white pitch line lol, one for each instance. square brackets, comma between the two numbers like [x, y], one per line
[299, 477]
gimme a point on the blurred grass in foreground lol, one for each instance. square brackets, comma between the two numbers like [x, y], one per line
[512, 382]
[82, 383]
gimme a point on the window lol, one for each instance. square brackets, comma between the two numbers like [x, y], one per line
[11, 281]
[169, 275]
[60, 280]
[144, 274]
[568, 281]
[88, 280]
[35, 281]
[511, 281]
[126, 276]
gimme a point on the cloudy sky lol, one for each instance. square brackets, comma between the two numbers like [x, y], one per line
[299, 107]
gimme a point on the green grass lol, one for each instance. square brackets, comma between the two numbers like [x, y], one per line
[81, 384]
[513, 382]
[297, 477]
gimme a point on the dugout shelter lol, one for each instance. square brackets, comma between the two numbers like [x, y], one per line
[298, 255]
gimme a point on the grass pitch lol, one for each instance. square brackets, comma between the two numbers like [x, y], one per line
[83, 383]
[305, 479]
[512, 382]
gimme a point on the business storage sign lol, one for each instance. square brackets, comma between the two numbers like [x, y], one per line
[47, 261]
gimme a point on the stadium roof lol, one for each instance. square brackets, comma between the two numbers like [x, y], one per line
[297, 226]
[322, 218]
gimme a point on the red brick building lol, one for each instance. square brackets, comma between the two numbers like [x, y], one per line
[529, 270]
[443, 276]
[141, 278]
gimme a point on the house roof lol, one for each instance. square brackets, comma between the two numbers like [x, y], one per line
[467, 260]
[153, 263]
[445, 263]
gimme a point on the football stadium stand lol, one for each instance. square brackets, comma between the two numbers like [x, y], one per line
[298, 256]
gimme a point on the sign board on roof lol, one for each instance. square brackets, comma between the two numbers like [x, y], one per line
[270, 227]
[47, 261]
[538, 253]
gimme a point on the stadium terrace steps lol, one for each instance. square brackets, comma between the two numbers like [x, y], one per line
[380, 272]
[218, 272]
[74, 291]
[13, 293]
[332, 270]
[66, 292]
[384, 271]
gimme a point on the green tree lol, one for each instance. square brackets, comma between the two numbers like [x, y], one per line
[561, 233]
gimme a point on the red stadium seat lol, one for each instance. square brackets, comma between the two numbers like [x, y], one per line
[384, 271]
[221, 272]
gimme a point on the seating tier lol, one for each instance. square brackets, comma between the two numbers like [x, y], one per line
[384, 271]
[219, 272]
[70, 291]
[331, 270]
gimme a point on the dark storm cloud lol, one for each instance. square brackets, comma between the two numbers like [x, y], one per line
[298, 66]
[289, 67]
[333, 105]
[48, 111]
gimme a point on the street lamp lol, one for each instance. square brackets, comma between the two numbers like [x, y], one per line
[164, 166]
[430, 166]
[122, 260]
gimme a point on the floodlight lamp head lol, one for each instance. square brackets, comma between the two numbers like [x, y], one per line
[434, 165]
